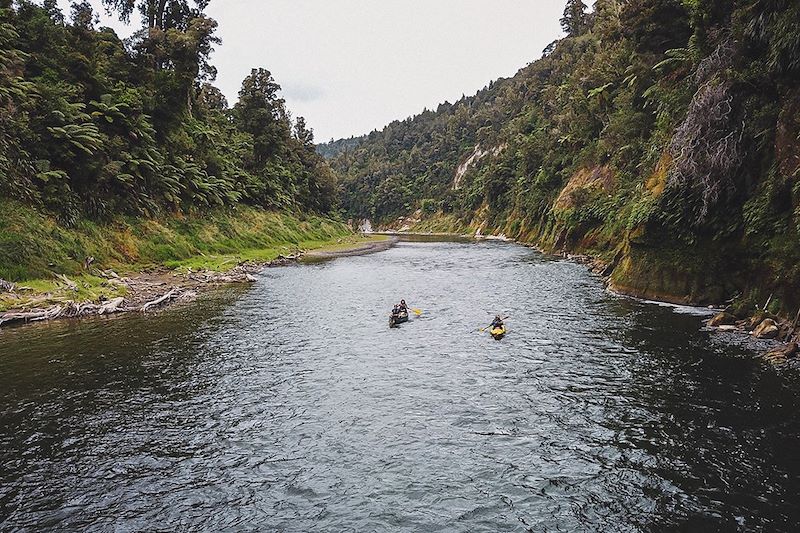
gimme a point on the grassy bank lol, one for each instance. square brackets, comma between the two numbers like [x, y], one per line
[35, 250]
[442, 223]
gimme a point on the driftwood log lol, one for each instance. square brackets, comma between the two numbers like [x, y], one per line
[111, 306]
[65, 310]
[171, 295]
[31, 316]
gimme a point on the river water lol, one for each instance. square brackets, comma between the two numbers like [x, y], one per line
[290, 405]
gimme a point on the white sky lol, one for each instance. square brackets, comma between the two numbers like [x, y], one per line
[351, 66]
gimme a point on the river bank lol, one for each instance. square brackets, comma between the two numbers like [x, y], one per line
[369, 244]
[776, 337]
[158, 286]
[49, 270]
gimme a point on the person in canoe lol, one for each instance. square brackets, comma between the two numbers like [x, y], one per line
[497, 323]
[403, 306]
[497, 328]
[398, 316]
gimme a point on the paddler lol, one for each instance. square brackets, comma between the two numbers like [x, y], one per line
[497, 323]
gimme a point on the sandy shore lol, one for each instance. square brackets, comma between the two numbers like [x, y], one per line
[347, 250]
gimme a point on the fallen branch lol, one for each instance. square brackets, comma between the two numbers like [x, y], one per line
[111, 306]
[108, 274]
[172, 294]
[20, 316]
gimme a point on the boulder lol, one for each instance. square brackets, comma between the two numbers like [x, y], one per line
[722, 319]
[767, 329]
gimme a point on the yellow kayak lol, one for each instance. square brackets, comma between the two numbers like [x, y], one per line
[498, 333]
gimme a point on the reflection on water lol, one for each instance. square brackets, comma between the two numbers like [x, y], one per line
[291, 406]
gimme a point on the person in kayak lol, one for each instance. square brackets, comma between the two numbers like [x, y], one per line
[497, 323]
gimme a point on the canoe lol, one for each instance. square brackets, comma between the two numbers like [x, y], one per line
[395, 321]
[498, 333]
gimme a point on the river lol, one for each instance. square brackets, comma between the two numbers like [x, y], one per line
[290, 405]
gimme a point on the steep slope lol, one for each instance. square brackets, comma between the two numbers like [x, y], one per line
[660, 135]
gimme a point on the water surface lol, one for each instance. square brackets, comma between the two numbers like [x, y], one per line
[291, 406]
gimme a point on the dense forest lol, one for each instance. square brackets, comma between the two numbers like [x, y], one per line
[660, 135]
[93, 127]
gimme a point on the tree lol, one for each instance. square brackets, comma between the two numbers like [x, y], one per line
[606, 20]
[262, 113]
[82, 15]
[161, 14]
[90, 127]
[304, 134]
[211, 98]
[575, 21]
[53, 11]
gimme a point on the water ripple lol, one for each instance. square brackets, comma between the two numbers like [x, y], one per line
[291, 406]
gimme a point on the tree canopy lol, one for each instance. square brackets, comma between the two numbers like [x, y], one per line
[574, 21]
[92, 127]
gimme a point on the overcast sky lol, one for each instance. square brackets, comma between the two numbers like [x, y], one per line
[351, 66]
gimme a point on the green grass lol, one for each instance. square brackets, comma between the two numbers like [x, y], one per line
[34, 248]
[224, 262]
[43, 292]
[442, 223]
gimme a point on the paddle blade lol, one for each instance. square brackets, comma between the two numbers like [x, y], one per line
[417, 311]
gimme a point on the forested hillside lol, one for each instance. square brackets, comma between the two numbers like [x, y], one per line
[660, 135]
[334, 148]
[93, 128]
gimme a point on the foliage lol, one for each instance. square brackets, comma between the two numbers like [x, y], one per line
[94, 127]
[685, 111]
[574, 21]
[33, 245]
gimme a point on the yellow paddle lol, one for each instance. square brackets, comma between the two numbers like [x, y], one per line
[416, 311]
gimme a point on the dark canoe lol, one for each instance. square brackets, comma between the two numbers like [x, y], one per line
[396, 320]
